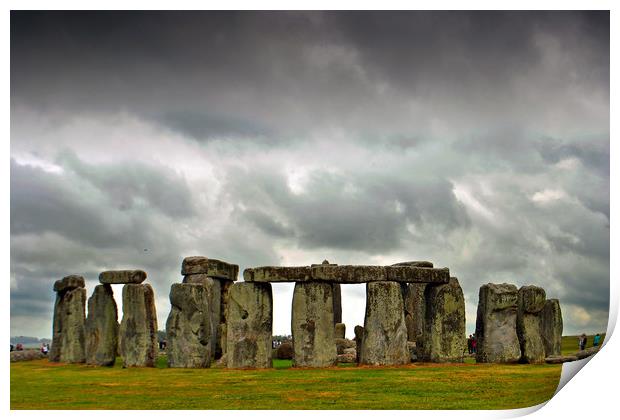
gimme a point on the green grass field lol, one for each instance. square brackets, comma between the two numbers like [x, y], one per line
[40, 384]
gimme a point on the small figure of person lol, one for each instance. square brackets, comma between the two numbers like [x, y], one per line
[469, 344]
[12, 347]
[597, 340]
[45, 349]
[19, 347]
[583, 340]
[474, 344]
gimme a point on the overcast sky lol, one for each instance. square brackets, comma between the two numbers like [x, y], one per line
[478, 141]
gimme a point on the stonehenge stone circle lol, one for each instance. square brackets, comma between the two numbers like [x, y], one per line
[415, 308]
[531, 301]
[340, 330]
[102, 327]
[444, 323]
[188, 328]
[496, 324]
[68, 339]
[122, 277]
[384, 339]
[249, 326]
[552, 327]
[138, 329]
[312, 325]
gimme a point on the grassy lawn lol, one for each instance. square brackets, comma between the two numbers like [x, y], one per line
[40, 384]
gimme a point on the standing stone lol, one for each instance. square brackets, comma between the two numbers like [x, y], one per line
[531, 301]
[340, 330]
[359, 334]
[102, 327]
[68, 339]
[312, 325]
[384, 341]
[214, 291]
[188, 328]
[138, 330]
[496, 324]
[337, 299]
[444, 324]
[249, 326]
[552, 327]
[415, 310]
[220, 348]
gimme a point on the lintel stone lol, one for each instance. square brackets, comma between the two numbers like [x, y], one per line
[122, 277]
[209, 266]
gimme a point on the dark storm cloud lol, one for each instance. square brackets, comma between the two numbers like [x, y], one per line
[478, 140]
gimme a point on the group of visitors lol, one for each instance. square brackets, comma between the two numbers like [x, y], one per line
[472, 343]
[45, 348]
[583, 341]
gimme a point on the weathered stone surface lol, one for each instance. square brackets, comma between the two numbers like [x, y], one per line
[102, 327]
[138, 329]
[26, 355]
[426, 264]
[312, 325]
[346, 358]
[188, 328]
[350, 274]
[586, 353]
[560, 359]
[531, 300]
[444, 323]
[415, 310]
[214, 290]
[340, 330]
[211, 267]
[384, 340]
[337, 303]
[496, 324]
[249, 329]
[414, 274]
[122, 277]
[413, 351]
[342, 344]
[276, 274]
[68, 283]
[359, 334]
[68, 340]
[552, 327]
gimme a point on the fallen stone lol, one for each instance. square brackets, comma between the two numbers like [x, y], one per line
[221, 362]
[68, 340]
[350, 350]
[188, 328]
[138, 330]
[122, 277]
[340, 330]
[531, 301]
[26, 355]
[342, 344]
[496, 324]
[312, 324]
[211, 267]
[102, 327]
[384, 340]
[346, 358]
[444, 323]
[68, 283]
[560, 359]
[552, 327]
[249, 329]
[586, 353]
